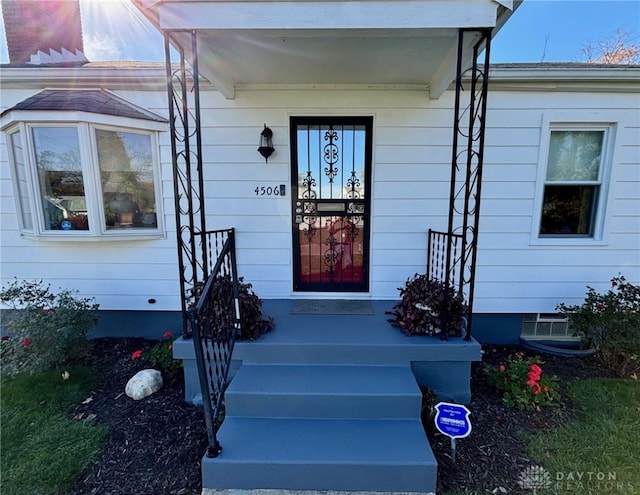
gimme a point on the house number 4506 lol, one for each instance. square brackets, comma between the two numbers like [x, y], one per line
[270, 190]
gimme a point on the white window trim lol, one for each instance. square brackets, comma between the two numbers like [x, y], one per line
[85, 123]
[595, 121]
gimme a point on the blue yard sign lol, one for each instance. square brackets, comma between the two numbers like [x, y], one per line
[453, 420]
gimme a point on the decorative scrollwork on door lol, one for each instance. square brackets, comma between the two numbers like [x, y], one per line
[331, 153]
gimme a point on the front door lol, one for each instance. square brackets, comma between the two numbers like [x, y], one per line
[331, 183]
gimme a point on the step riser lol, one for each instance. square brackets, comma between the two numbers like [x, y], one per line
[377, 478]
[360, 354]
[323, 391]
[327, 406]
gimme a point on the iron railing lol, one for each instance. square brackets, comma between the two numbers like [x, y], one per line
[206, 259]
[437, 245]
[215, 323]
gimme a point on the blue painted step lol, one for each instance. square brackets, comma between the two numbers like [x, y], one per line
[323, 391]
[328, 454]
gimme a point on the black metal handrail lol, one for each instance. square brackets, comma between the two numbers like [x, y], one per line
[215, 323]
[212, 243]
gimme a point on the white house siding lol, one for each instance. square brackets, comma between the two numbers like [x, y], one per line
[515, 273]
[411, 166]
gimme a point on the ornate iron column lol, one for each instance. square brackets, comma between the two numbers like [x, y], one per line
[466, 166]
[186, 152]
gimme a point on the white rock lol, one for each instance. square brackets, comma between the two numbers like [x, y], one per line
[143, 384]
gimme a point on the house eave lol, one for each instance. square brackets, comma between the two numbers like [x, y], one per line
[538, 77]
[113, 77]
[565, 77]
[324, 15]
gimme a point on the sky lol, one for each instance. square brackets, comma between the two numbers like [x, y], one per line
[539, 31]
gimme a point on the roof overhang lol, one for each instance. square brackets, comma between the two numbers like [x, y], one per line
[362, 42]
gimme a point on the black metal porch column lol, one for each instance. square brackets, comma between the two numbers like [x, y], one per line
[186, 152]
[466, 166]
[207, 263]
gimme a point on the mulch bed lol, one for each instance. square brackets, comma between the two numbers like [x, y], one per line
[156, 444]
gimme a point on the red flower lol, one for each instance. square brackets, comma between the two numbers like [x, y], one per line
[170, 346]
[546, 388]
[5, 337]
[533, 376]
[167, 334]
[535, 388]
[26, 343]
[601, 306]
[137, 354]
[502, 367]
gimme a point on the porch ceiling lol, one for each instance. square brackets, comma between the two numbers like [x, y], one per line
[302, 42]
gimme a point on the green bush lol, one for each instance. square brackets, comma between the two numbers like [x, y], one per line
[160, 354]
[523, 384]
[609, 323]
[43, 329]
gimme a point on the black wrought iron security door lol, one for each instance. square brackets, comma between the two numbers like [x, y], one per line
[331, 170]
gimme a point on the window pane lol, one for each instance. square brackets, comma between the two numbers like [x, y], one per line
[574, 155]
[21, 181]
[568, 210]
[126, 175]
[60, 178]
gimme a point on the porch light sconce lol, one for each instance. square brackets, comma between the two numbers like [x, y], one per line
[266, 148]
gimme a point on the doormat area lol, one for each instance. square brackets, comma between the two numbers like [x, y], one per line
[331, 307]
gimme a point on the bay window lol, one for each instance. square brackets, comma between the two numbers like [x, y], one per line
[85, 180]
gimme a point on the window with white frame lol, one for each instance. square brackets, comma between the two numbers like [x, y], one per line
[574, 196]
[546, 326]
[85, 180]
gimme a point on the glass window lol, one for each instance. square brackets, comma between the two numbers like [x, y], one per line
[573, 181]
[59, 167]
[546, 325]
[80, 180]
[126, 177]
[22, 180]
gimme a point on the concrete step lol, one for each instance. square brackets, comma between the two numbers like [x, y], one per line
[328, 454]
[323, 391]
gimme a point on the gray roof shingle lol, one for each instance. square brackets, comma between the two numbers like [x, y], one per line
[90, 100]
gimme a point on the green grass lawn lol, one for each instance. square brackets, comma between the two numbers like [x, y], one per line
[598, 452]
[43, 451]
